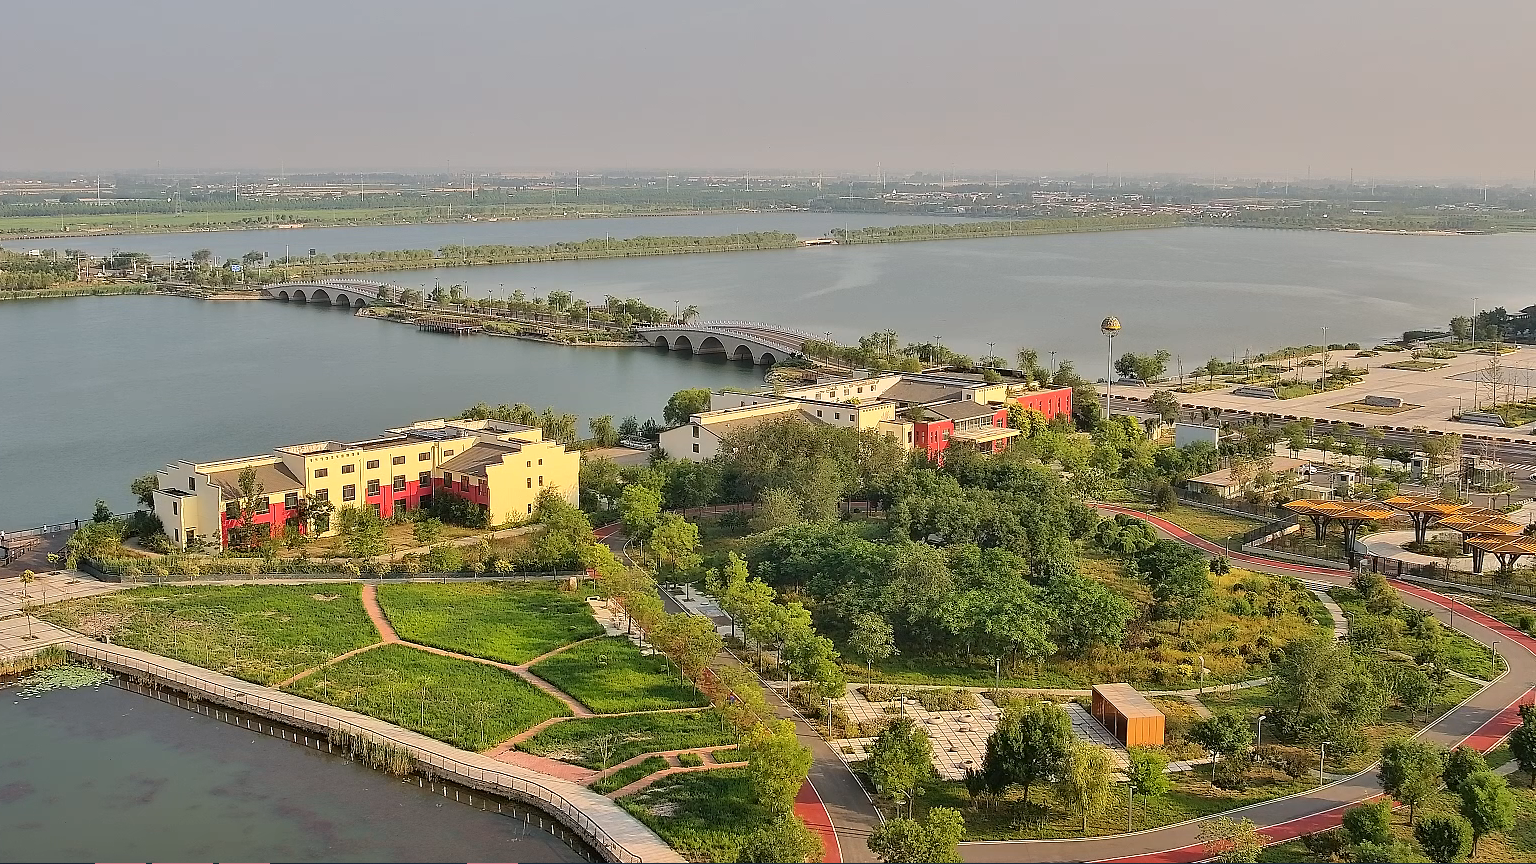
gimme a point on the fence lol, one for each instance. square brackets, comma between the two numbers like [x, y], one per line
[432, 757]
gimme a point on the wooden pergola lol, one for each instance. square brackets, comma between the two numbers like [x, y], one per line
[1348, 513]
[1477, 521]
[1507, 549]
[1422, 509]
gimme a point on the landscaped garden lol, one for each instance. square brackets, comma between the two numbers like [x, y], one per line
[509, 622]
[705, 816]
[467, 704]
[261, 633]
[611, 676]
[625, 776]
[585, 741]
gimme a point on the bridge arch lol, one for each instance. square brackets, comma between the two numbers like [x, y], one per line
[300, 296]
[682, 343]
[767, 359]
[282, 295]
[710, 345]
[320, 294]
[661, 342]
[744, 352]
[343, 300]
[359, 303]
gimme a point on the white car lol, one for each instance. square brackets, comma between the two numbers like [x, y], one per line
[635, 443]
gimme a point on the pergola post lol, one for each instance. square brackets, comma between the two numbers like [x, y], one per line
[1477, 560]
[1420, 526]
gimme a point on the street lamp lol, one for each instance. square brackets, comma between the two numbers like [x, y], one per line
[1321, 759]
[1110, 327]
[1258, 741]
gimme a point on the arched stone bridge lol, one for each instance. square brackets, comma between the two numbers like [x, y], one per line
[352, 293]
[762, 344]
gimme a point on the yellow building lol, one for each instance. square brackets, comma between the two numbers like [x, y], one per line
[502, 467]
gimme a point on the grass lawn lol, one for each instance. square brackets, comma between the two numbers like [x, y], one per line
[1517, 845]
[610, 676]
[620, 779]
[577, 741]
[510, 622]
[1235, 636]
[704, 815]
[1521, 616]
[261, 633]
[396, 536]
[1461, 653]
[1192, 796]
[1212, 525]
[467, 704]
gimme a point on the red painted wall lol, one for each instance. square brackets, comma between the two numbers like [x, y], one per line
[1051, 403]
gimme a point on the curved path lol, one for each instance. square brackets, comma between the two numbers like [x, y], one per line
[1482, 721]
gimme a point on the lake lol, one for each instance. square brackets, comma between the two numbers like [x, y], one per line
[104, 774]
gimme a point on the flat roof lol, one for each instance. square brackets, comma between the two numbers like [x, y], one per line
[274, 477]
[1127, 700]
[962, 410]
[474, 460]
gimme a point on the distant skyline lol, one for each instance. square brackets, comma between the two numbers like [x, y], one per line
[1388, 90]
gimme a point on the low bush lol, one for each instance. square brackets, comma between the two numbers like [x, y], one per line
[690, 760]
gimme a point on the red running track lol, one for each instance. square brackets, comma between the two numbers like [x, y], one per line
[814, 814]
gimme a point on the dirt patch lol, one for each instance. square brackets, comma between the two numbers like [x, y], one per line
[325, 598]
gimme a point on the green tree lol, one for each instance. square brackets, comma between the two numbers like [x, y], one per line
[935, 839]
[674, 542]
[1410, 771]
[1029, 745]
[1226, 734]
[1387, 851]
[639, 509]
[785, 839]
[362, 532]
[1179, 578]
[603, 430]
[1370, 822]
[1087, 612]
[103, 512]
[427, 530]
[1522, 743]
[144, 488]
[1236, 841]
[250, 499]
[1488, 805]
[1460, 764]
[1164, 404]
[1445, 837]
[873, 639]
[900, 759]
[684, 404]
[1148, 773]
[776, 761]
[1083, 780]
[776, 508]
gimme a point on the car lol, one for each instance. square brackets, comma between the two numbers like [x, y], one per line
[635, 443]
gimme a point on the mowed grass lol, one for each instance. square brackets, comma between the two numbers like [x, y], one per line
[623, 777]
[578, 741]
[467, 704]
[260, 633]
[509, 622]
[611, 676]
[1210, 524]
[703, 815]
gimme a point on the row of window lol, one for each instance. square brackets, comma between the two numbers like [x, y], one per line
[424, 456]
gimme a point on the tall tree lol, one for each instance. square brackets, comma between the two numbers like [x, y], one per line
[639, 509]
[785, 839]
[900, 759]
[1522, 743]
[873, 639]
[1462, 763]
[674, 542]
[1083, 781]
[603, 430]
[1488, 805]
[1232, 840]
[1445, 837]
[935, 839]
[1410, 771]
[1029, 745]
[1370, 822]
[1148, 773]
[776, 761]
[685, 404]
[144, 488]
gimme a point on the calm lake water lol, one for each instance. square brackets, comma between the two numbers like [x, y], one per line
[95, 391]
[106, 774]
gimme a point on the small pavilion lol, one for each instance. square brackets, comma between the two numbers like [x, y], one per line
[1477, 521]
[1349, 513]
[1422, 509]
[1507, 549]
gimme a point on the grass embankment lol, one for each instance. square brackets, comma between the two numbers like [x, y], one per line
[507, 622]
[704, 815]
[261, 633]
[1254, 614]
[464, 703]
[1002, 228]
[580, 741]
[1213, 525]
[1457, 651]
[611, 676]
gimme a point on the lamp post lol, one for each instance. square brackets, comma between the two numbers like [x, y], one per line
[1321, 759]
[1110, 327]
[1258, 740]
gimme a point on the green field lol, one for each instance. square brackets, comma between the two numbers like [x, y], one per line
[703, 815]
[1517, 845]
[467, 704]
[620, 779]
[261, 633]
[509, 622]
[1212, 525]
[610, 676]
[577, 741]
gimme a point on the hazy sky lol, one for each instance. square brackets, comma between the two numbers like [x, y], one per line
[1388, 89]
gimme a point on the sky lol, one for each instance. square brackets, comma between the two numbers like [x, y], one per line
[1388, 89]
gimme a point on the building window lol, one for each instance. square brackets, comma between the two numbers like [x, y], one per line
[349, 492]
[373, 487]
[541, 479]
[530, 508]
[447, 453]
[422, 457]
[348, 469]
[322, 494]
[402, 504]
[375, 506]
[818, 412]
[263, 506]
[191, 484]
[373, 463]
[530, 463]
[232, 510]
[322, 472]
[530, 479]
[291, 501]
[397, 460]
[541, 461]
[695, 431]
[399, 483]
[425, 478]
[695, 448]
[175, 508]
[837, 415]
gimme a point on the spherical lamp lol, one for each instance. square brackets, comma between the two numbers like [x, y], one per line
[1110, 327]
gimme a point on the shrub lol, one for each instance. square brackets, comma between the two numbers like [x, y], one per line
[875, 693]
[690, 760]
[350, 568]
